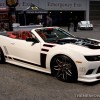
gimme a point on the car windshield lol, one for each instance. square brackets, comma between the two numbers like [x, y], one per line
[53, 34]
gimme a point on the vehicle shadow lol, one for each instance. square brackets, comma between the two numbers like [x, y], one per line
[89, 84]
[52, 77]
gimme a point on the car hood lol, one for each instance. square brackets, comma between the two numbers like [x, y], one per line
[85, 42]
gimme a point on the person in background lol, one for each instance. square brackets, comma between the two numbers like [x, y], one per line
[2, 26]
[69, 23]
[44, 21]
[49, 21]
[38, 20]
[75, 22]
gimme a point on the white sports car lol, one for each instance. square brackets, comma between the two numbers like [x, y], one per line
[53, 50]
[85, 25]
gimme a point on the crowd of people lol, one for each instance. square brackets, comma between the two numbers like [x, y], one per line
[48, 21]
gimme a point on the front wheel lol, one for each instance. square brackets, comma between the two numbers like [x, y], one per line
[2, 58]
[64, 69]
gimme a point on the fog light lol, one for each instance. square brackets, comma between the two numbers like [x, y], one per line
[89, 72]
[98, 77]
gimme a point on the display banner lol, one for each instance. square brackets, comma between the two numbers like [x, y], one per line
[48, 4]
[66, 4]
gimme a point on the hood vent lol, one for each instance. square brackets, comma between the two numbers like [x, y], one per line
[92, 44]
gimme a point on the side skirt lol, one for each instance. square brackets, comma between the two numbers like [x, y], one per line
[27, 64]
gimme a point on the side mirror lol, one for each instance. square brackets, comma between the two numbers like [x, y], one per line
[32, 40]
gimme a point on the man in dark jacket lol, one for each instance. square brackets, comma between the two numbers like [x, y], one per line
[75, 22]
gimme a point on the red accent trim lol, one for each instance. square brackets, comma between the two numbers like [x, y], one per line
[50, 28]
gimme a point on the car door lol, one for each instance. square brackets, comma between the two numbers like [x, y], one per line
[23, 50]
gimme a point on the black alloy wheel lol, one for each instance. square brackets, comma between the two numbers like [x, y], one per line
[64, 69]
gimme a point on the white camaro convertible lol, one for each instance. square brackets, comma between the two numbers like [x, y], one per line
[52, 50]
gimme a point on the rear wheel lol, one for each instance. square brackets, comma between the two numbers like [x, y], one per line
[64, 69]
[2, 58]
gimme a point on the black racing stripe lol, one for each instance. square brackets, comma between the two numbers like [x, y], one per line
[5, 56]
[27, 62]
[45, 50]
[24, 61]
[43, 60]
[47, 45]
[8, 57]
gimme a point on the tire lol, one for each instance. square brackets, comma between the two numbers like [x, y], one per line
[64, 69]
[2, 58]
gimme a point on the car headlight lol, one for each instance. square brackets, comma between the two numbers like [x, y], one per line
[93, 58]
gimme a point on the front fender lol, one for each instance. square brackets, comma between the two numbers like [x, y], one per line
[74, 55]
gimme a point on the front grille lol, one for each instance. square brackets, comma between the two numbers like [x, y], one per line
[92, 58]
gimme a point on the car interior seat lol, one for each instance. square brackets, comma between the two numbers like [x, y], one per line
[11, 34]
[42, 35]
